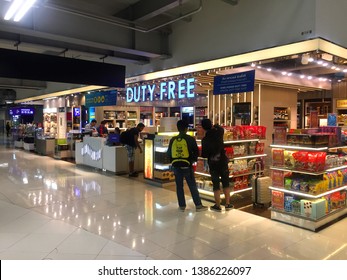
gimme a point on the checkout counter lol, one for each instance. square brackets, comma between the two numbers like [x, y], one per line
[94, 152]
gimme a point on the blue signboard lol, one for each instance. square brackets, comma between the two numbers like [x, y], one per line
[234, 83]
[102, 98]
[21, 111]
[76, 111]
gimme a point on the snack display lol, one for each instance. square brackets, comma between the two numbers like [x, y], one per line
[240, 132]
[312, 176]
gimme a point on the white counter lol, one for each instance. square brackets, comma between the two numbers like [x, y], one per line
[89, 152]
[93, 152]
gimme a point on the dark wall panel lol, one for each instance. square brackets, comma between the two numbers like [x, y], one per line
[32, 66]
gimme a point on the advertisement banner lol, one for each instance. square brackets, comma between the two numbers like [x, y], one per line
[234, 83]
[102, 98]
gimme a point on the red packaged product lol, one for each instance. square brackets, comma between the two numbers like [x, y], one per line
[300, 160]
[229, 152]
[259, 148]
[278, 157]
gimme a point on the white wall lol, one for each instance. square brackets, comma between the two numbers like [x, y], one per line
[331, 20]
[221, 30]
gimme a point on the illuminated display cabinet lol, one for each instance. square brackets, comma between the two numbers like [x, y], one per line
[308, 185]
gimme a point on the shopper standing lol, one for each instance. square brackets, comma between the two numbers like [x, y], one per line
[132, 143]
[213, 149]
[8, 129]
[182, 166]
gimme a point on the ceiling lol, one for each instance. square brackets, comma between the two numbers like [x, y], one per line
[115, 31]
[94, 30]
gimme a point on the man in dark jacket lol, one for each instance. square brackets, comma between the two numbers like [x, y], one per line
[183, 168]
[213, 149]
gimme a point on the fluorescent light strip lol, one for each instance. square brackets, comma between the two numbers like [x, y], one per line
[13, 9]
[24, 9]
[307, 172]
[240, 141]
[162, 166]
[299, 148]
[297, 171]
[246, 157]
[306, 194]
[161, 149]
[18, 9]
[336, 168]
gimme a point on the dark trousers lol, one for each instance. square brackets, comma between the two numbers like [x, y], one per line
[188, 174]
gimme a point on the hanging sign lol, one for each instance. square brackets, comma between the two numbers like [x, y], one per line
[167, 90]
[234, 83]
[102, 98]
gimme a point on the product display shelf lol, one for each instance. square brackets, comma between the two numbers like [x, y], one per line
[239, 180]
[281, 117]
[308, 209]
[157, 167]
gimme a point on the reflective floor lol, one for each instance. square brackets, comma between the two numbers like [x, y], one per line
[52, 209]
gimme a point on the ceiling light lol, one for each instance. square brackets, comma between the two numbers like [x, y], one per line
[302, 76]
[269, 69]
[344, 70]
[18, 9]
[289, 74]
[309, 77]
[284, 73]
[310, 59]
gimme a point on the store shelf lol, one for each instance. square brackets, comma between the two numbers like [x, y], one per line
[306, 209]
[308, 172]
[297, 171]
[308, 195]
[287, 147]
[307, 223]
[231, 176]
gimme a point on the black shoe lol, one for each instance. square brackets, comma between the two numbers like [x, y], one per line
[216, 208]
[134, 174]
[182, 208]
[229, 207]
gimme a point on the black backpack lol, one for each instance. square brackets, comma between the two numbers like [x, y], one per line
[124, 137]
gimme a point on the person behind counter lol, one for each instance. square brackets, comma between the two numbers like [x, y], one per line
[91, 129]
[91, 125]
[102, 129]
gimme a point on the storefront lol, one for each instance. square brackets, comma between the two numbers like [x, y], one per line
[272, 104]
[279, 77]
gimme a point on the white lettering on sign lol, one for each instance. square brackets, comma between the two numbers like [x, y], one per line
[167, 90]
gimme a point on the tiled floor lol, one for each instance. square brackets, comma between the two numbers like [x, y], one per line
[52, 209]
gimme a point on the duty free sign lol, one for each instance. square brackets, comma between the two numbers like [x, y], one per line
[167, 91]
